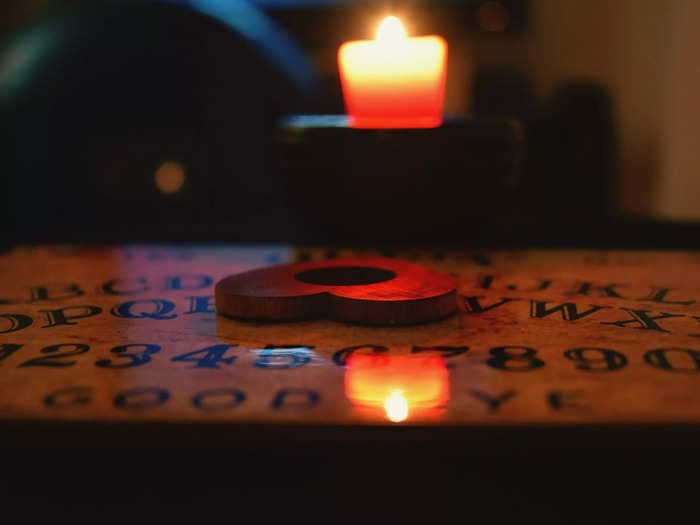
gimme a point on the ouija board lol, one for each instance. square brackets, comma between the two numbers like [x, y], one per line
[129, 335]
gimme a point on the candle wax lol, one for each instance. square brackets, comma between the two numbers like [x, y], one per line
[396, 83]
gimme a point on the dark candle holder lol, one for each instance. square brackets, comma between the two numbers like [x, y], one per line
[399, 182]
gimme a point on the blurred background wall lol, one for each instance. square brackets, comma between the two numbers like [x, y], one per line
[626, 45]
[644, 51]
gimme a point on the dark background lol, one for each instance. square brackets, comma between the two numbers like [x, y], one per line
[100, 96]
[600, 93]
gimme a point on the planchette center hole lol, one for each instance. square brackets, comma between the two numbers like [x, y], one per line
[345, 276]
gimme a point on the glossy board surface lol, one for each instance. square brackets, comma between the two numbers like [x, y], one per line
[129, 334]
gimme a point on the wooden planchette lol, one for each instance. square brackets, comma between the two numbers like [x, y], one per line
[367, 290]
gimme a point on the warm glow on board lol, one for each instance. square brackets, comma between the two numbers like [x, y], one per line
[394, 81]
[399, 384]
[396, 407]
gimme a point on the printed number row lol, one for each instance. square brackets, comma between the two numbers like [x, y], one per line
[510, 358]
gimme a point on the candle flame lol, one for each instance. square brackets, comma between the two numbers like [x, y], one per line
[396, 406]
[391, 29]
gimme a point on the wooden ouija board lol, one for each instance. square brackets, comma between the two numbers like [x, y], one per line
[130, 334]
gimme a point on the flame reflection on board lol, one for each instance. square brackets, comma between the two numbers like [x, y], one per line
[398, 384]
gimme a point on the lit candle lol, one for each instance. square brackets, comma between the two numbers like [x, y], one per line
[394, 81]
